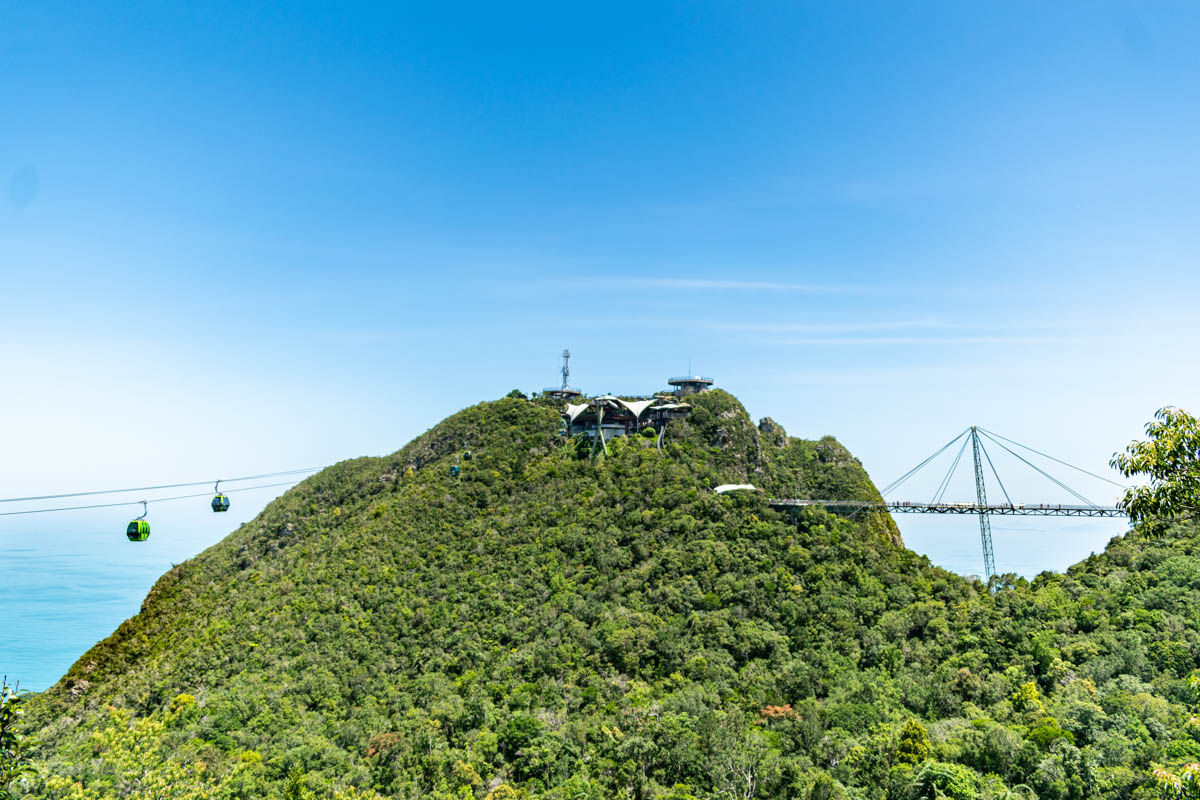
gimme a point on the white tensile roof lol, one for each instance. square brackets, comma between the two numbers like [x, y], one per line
[733, 487]
[636, 406]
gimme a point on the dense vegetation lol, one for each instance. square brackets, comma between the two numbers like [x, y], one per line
[545, 625]
[14, 747]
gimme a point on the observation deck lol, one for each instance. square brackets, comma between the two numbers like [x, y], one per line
[690, 384]
[562, 392]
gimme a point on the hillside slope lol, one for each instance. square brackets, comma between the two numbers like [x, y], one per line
[550, 626]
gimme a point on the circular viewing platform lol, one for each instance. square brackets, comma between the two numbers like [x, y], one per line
[558, 391]
[690, 384]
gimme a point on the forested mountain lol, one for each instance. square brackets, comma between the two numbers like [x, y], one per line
[549, 625]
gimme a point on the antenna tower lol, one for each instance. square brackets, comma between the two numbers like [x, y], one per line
[564, 392]
[985, 522]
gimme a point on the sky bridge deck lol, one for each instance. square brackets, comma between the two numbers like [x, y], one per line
[906, 507]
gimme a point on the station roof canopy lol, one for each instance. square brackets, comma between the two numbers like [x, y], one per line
[635, 407]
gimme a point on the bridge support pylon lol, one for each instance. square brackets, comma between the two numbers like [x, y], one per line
[985, 522]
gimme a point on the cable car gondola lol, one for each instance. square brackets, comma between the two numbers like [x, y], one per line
[466, 456]
[220, 502]
[454, 470]
[139, 529]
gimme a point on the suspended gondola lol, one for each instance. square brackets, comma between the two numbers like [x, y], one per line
[454, 470]
[220, 502]
[138, 529]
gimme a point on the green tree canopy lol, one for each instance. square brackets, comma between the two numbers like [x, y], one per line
[14, 756]
[1170, 459]
[550, 627]
[913, 747]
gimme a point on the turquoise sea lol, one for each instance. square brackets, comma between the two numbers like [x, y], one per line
[68, 580]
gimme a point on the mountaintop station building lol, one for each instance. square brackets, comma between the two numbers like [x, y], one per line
[614, 416]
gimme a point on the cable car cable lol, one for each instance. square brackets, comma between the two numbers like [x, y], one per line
[136, 502]
[154, 488]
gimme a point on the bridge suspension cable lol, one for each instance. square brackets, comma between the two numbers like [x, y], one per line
[941, 490]
[995, 473]
[977, 437]
[1041, 471]
[897, 483]
[1056, 460]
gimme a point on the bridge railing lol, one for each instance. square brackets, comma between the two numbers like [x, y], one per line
[906, 507]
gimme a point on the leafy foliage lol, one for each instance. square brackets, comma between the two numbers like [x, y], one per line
[14, 748]
[1185, 785]
[913, 747]
[551, 626]
[1170, 459]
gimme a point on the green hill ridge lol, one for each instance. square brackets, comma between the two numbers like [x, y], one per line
[550, 625]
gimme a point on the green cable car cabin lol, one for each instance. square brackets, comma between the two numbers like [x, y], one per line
[138, 530]
[220, 503]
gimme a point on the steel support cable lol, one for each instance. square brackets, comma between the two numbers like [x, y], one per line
[1042, 472]
[1045, 474]
[891, 487]
[896, 483]
[1057, 460]
[994, 472]
[941, 490]
[156, 488]
[136, 502]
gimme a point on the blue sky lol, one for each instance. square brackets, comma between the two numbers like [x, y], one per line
[238, 238]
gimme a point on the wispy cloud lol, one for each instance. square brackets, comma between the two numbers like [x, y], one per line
[910, 375]
[888, 289]
[750, 286]
[904, 331]
[862, 326]
[823, 341]
[752, 328]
